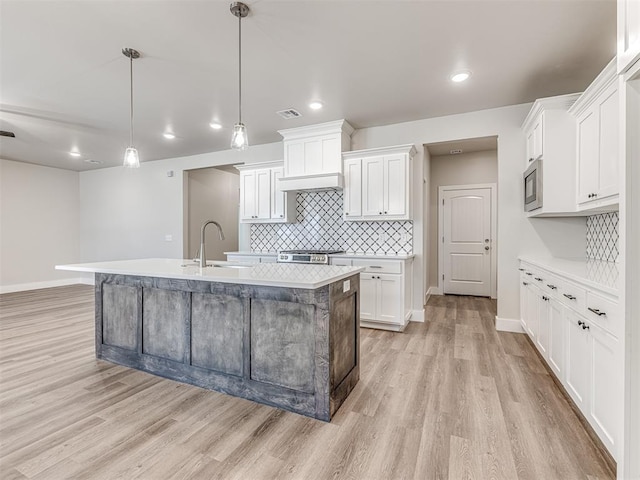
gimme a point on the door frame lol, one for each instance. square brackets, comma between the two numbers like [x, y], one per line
[494, 232]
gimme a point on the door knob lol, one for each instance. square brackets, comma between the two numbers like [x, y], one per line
[487, 247]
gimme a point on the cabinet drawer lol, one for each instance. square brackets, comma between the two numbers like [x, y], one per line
[551, 285]
[572, 296]
[378, 266]
[604, 313]
[341, 261]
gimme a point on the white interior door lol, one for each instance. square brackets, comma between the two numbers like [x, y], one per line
[467, 242]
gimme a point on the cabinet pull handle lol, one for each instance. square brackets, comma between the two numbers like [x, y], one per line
[546, 299]
[597, 311]
[538, 279]
[521, 269]
[531, 160]
[580, 322]
[375, 266]
[525, 283]
[552, 287]
[530, 274]
[585, 326]
[570, 297]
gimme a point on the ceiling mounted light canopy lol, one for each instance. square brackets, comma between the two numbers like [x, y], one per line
[131, 159]
[239, 139]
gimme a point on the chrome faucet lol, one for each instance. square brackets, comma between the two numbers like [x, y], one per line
[202, 256]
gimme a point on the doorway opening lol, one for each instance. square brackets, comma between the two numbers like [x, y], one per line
[211, 193]
[461, 254]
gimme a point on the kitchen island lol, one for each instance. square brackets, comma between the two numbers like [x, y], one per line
[280, 334]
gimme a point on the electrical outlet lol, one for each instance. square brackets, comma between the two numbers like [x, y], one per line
[402, 237]
[168, 238]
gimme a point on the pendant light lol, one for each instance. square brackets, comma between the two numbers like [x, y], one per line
[239, 140]
[131, 159]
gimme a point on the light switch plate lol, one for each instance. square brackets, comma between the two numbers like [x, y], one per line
[346, 286]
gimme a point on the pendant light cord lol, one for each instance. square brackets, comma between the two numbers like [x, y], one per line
[131, 97]
[239, 68]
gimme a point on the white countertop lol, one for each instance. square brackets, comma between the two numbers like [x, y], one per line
[291, 275]
[342, 255]
[594, 273]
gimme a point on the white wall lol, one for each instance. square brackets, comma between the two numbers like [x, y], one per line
[127, 213]
[463, 169]
[213, 194]
[39, 225]
[516, 234]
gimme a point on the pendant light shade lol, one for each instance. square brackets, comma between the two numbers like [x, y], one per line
[131, 158]
[239, 139]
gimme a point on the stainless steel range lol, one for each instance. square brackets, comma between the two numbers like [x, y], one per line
[306, 256]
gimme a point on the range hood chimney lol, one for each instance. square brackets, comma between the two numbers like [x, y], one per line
[313, 156]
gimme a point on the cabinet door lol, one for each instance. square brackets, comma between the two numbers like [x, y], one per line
[606, 387]
[390, 299]
[263, 193]
[247, 195]
[577, 369]
[532, 312]
[294, 158]
[277, 197]
[530, 148]
[523, 305]
[588, 153]
[353, 188]
[372, 186]
[395, 185]
[609, 156]
[368, 296]
[538, 140]
[542, 337]
[556, 338]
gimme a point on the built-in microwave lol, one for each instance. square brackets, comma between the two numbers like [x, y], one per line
[533, 186]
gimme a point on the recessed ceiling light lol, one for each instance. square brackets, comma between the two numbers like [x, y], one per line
[215, 125]
[316, 105]
[168, 135]
[460, 76]
[93, 162]
[75, 153]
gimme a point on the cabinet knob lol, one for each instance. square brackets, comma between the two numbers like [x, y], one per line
[530, 160]
[385, 213]
[525, 283]
[486, 247]
[585, 326]
[379, 213]
[580, 322]
[281, 215]
[346, 213]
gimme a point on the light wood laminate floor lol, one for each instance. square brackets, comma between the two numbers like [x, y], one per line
[449, 398]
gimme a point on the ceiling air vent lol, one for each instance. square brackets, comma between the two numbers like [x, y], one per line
[4, 133]
[289, 113]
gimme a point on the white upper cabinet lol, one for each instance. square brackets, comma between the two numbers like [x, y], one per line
[598, 143]
[353, 193]
[628, 34]
[378, 183]
[550, 132]
[535, 144]
[260, 199]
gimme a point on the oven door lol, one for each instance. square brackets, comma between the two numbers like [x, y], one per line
[533, 186]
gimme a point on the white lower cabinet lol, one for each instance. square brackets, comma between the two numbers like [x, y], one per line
[385, 291]
[578, 345]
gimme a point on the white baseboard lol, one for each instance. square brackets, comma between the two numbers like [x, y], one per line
[434, 291]
[508, 325]
[21, 287]
[417, 316]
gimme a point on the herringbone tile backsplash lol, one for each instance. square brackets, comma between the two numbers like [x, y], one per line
[602, 237]
[320, 226]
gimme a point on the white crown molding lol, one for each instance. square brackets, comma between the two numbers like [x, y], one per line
[409, 148]
[560, 102]
[601, 82]
[337, 126]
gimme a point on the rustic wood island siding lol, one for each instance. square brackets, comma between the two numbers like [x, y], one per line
[296, 349]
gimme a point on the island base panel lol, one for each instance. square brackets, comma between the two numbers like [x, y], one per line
[296, 349]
